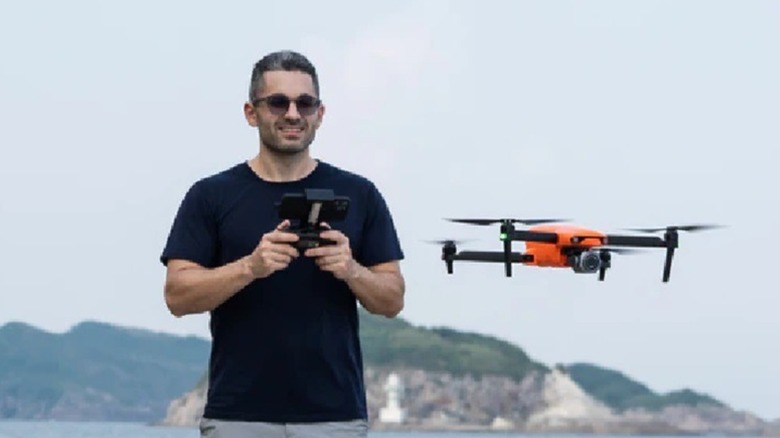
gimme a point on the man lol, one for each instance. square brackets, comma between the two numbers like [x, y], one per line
[286, 357]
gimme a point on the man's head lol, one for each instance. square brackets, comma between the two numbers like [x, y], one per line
[284, 102]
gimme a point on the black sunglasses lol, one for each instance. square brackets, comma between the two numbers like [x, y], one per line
[279, 104]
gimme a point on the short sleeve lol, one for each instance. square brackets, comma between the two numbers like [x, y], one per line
[380, 241]
[193, 235]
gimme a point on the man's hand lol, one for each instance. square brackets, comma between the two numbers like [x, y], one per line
[335, 258]
[273, 253]
[380, 288]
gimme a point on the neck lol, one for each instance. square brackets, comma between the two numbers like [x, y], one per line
[281, 168]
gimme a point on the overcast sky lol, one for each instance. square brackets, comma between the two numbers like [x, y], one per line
[610, 113]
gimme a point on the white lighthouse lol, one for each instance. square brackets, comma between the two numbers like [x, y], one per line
[392, 412]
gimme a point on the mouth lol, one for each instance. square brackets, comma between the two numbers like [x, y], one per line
[291, 131]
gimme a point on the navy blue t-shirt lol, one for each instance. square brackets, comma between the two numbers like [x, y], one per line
[286, 348]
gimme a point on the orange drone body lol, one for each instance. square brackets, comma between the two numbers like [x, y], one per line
[569, 236]
[560, 245]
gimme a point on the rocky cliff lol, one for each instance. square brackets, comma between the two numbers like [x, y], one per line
[540, 402]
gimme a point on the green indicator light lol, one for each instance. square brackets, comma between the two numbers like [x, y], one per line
[503, 236]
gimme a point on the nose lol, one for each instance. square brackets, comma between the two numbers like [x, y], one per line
[292, 112]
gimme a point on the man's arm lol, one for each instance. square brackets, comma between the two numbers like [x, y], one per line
[379, 289]
[190, 288]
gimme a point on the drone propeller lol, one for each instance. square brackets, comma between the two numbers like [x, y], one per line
[689, 228]
[448, 241]
[622, 251]
[510, 220]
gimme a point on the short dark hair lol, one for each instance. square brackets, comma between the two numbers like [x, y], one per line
[283, 60]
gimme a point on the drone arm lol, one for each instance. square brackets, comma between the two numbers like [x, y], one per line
[491, 256]
[669, 242]
[638, 241]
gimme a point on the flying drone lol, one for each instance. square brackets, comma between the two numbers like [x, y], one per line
[551, 243]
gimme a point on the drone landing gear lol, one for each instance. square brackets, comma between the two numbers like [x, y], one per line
[670, 242]
[507, 228]
[606, 263]
[672, 239]
[448, 252]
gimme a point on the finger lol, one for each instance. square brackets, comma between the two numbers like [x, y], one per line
[285, 248]
[323, 251]
[334, 235]
[270, 246]
[278, 259]
[325, 225]
[283, 225]
[280, 236]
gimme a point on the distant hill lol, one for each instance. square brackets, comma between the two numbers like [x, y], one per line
[98, 371]
[395, 343]
[398, 344]
[621, 393]
[455, 380]
[95, 371]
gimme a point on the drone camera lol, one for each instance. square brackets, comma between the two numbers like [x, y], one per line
[586, 262]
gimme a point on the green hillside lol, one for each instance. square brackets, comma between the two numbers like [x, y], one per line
[396, 343]
[94, 370]
[99, 371]
[620, 392]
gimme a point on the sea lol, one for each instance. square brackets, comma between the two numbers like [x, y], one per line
[60, 429]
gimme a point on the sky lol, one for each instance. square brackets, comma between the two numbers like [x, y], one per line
[611, 114]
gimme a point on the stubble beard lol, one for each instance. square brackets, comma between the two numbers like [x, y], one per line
[273, 144]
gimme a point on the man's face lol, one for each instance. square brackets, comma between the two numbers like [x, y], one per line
[286, 112]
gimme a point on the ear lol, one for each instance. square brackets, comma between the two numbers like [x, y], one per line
[320, 115]
[250, 113]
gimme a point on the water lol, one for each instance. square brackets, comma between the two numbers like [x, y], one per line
[59, 429]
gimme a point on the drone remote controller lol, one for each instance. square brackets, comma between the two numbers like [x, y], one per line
[310, 238]
[306, 211]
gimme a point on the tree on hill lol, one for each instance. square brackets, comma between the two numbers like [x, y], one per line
[397, 343]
